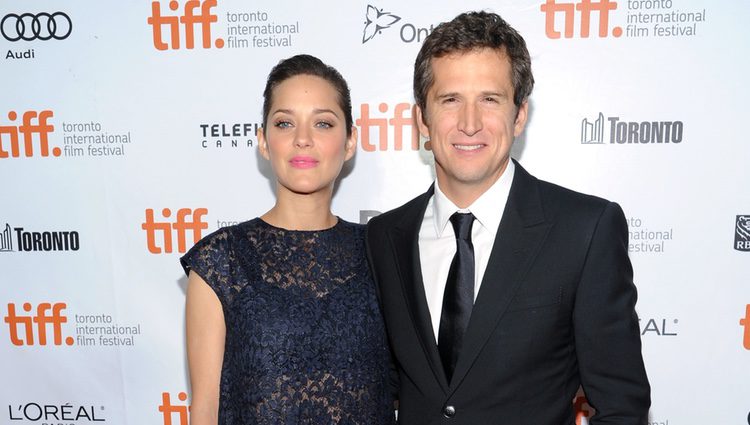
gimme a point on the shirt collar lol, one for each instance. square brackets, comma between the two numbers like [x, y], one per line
[485, 208]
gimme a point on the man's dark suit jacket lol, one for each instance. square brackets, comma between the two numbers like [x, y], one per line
[555, 310]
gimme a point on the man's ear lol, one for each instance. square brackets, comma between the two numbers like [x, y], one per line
[424, 130]
[521, 116]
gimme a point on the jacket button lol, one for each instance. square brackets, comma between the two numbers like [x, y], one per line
[449, 411]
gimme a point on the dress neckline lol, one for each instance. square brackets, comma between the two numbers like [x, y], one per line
[268, 225]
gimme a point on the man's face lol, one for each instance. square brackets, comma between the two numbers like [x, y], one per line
[471, 121]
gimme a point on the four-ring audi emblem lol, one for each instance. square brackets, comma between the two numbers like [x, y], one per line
[40, 26]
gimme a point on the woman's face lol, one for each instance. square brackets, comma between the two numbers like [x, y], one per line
[305, 135]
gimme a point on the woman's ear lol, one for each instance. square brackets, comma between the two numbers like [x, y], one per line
[351, 144]
[263, 143]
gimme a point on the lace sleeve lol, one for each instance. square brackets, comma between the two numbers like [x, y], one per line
[211, 259]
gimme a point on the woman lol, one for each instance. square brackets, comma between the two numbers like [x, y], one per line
[283, 325]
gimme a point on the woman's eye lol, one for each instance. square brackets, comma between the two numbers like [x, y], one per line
[324, 124]
[282, 124]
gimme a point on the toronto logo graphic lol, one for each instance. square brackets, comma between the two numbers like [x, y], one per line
[592, 132]
[28, 241]
[742, 233]
[6, 240]
[376, 22]
[41, 26]
[614, 130]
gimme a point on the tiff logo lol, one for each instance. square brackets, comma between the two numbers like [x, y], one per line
[745, 323]
[6, 240]
[187, 219]
[21, 327]
[28, 129]
[189, 20]
[592, 133]
[168, 409]
[399, 120]
[553, 9]
[742, 233]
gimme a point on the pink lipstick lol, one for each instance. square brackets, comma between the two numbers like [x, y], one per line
[303, 162]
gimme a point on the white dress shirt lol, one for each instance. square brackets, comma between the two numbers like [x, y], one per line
[437, 241]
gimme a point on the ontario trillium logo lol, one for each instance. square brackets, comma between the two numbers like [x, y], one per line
[376, 22]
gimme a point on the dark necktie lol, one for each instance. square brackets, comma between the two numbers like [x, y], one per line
[458, 298]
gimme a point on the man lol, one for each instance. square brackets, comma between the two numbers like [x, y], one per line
[498, 313]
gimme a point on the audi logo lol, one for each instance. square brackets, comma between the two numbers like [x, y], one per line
[42, 26]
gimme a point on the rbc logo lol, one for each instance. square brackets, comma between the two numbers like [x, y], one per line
[552, 9]
[21, 327]
[28, 129]
[742, 233]
[167, 409]
[187, 219]
[188, 20]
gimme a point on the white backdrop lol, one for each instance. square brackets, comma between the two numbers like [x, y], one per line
[111, 114]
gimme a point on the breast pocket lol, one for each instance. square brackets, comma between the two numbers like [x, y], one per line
[536, 300]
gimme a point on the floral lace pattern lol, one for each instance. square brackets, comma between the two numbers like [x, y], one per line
[305, 340]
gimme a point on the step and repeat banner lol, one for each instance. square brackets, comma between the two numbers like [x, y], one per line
[128, 132]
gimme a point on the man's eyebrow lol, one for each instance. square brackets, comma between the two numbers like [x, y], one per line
[501, 93]
[484, 93]
[449, 94]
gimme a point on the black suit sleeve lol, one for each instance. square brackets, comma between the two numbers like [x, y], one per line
[394, 380]
[607, 335]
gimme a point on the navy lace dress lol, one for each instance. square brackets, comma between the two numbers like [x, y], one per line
[305, 341]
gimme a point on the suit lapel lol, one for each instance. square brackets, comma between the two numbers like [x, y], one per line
[405, 243]
[522, 230]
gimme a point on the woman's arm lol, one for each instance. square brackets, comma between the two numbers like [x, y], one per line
[206, 330]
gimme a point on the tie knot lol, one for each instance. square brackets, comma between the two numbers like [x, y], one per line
[462, 223]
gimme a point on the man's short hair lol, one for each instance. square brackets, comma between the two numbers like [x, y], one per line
[471, 31]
